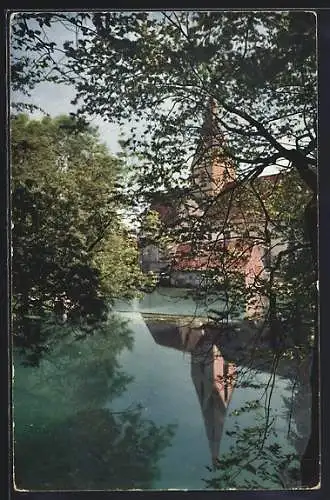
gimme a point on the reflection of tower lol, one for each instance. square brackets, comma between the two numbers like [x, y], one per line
[183, 337]
[212, 170]
[212, 375]
[214, 380]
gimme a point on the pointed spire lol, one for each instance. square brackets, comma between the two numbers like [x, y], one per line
[212, 170]
[210, 132]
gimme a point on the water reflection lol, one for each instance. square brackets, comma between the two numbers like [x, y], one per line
[214, 380]
[257, 442]
[67, 437]
[213, 376]
[108, 427]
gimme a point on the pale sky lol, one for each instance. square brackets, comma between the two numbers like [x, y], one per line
[55, 99]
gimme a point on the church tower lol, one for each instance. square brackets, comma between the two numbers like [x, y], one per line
[212, 170]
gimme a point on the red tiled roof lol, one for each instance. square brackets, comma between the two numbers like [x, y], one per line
[184, 258]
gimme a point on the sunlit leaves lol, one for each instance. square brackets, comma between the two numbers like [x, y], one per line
[71, 253]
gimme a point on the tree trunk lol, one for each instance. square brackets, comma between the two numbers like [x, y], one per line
[310, 464]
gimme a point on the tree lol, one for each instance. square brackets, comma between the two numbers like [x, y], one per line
[162, 68]
[71, 253]
[260, 70]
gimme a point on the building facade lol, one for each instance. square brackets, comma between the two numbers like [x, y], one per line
[216, 225]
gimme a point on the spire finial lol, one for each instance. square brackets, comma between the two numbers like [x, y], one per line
[210, 129]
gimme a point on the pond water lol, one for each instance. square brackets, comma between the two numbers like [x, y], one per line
[125, 409]
[173, 301]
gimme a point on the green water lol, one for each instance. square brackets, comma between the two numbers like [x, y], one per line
[119, 411]
[174, 301]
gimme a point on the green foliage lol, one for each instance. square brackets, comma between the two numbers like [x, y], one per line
[71, 253]
[150, 227]
[161, 68]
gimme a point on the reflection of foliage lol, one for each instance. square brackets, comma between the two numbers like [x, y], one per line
[62, 406]
[91, 381]
[265, 467]
[255, 459]
[298, 405]
[92, 449]
[261, 449]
